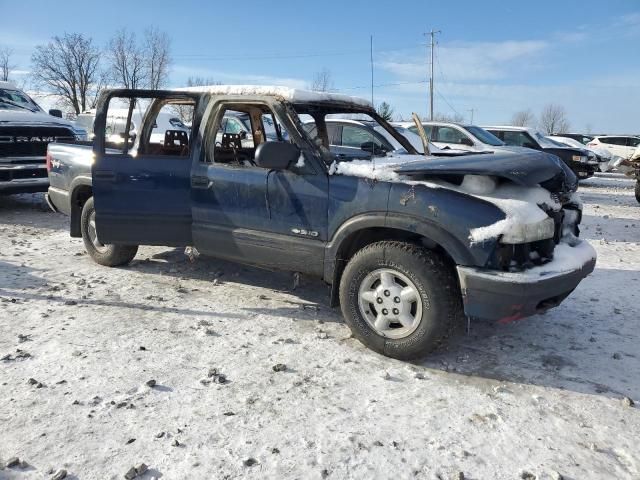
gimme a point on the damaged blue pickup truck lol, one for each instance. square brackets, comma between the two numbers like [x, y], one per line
[409, 243]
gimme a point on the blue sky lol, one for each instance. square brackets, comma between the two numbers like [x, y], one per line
[495, 57]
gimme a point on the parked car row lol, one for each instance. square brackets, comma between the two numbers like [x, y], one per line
[496, 139]
[583, 162]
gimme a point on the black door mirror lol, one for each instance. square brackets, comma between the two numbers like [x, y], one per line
[530, 145]
[466, 141]
[373, 148]
[54, 112]
[276, 155]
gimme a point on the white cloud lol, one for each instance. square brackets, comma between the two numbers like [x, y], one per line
[629, 19]
[478, 61]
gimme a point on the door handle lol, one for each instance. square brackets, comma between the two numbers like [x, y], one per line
[201, 182]
[105, 175]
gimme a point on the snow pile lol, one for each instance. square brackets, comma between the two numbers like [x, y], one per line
[566, 258]
[380, 169]
[520, 205]
[478, 184]
[287, 93]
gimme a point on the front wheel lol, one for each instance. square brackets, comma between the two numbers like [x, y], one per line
[400, 299]
[108, 255]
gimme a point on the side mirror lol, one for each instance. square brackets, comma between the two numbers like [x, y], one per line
[54, 112]
[466, 141]
[373, 148]
[530, 145]
[276, 155]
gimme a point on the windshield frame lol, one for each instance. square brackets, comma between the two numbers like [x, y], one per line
[339, 108]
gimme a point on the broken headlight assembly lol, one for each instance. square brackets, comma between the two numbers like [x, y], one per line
[530, 232]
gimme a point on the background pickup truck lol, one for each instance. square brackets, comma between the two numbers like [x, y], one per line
[408, 242]
[25, 131]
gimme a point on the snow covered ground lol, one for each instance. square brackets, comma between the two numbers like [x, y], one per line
[542, 396]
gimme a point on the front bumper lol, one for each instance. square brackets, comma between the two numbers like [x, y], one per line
[23, 177]
[583, 170]
[506, 296]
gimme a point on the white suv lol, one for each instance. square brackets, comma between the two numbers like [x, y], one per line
[620, 146]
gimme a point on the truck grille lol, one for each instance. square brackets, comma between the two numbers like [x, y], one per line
[30, 141]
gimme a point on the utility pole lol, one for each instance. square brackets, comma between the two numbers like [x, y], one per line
[432, 33]
[472, 110]
[371, 52]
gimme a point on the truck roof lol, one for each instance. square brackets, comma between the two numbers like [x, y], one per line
[293, 95]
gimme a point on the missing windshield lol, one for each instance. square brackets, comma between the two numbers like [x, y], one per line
[345, 135]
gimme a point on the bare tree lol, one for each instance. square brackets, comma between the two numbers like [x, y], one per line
[553, 119]
[523, 118]
[157, 55]
[5, 63]
[69, 66]
[126, 60]
[322, 81]
[385, 111]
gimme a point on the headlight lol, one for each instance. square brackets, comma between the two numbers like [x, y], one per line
[580, 158]
[79, 133]
[531, 232]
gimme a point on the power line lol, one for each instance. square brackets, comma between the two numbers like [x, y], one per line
[450, 106]
[275, 55]
[360, 87]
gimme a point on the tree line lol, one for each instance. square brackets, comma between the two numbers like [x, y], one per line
[74, 68]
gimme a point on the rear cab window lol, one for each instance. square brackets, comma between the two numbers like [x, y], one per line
[149, 126]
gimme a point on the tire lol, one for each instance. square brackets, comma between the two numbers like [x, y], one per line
[432, 283]
[638, 191]
[107, 255]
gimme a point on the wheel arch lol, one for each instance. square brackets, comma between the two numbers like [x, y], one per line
[81, 191]
[360, 231]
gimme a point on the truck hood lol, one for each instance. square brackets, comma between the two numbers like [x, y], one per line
[528, 169]
[24, 117]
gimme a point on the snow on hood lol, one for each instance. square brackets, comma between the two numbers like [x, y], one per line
[22, 117]
[293, 95]
[520, 203]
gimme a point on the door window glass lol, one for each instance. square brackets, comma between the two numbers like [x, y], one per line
[449, 135]
[355, 136]
[519, 139]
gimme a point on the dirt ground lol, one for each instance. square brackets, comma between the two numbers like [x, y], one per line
[539, 398]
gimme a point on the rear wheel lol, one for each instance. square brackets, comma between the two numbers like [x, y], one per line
[108, 255]
[399, 299]
[638, 190]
